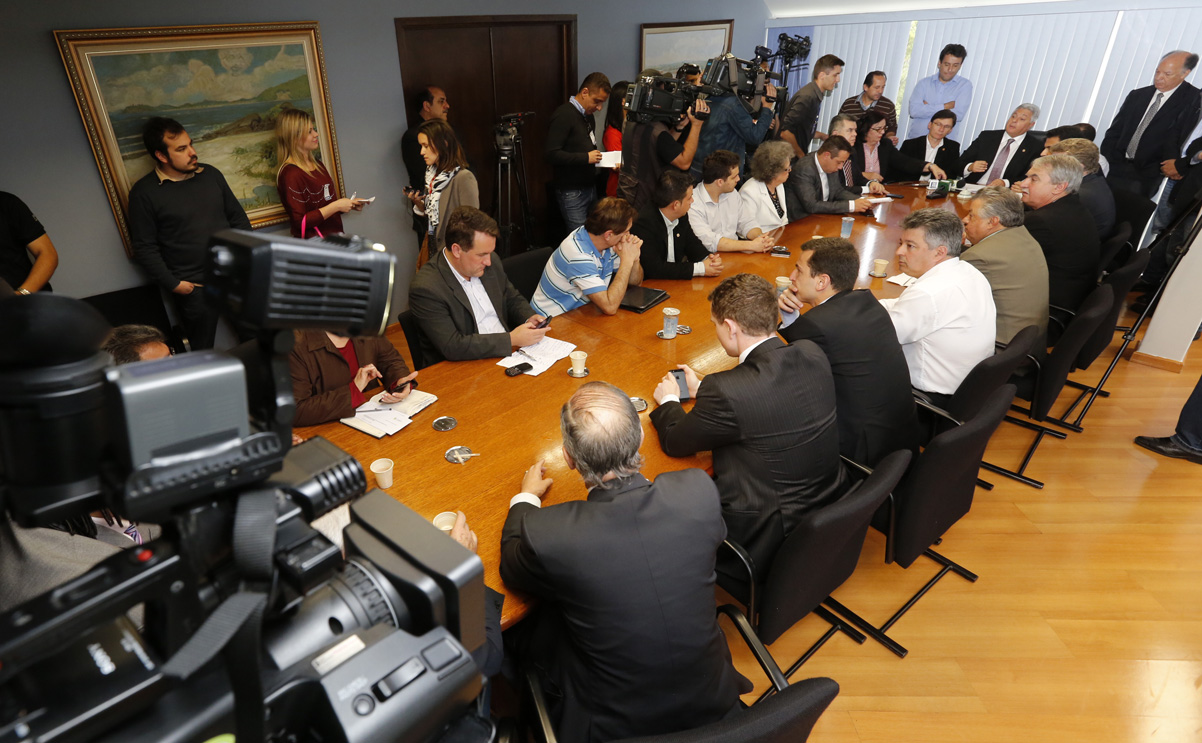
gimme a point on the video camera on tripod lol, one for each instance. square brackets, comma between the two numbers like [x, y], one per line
[314, 647]
[508, 131]
[748, 79]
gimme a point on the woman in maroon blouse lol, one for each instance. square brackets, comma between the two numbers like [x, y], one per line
[306, 189]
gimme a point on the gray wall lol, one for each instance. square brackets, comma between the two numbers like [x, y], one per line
[48, 162]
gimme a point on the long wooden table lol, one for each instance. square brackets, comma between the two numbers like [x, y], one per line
[513, 421]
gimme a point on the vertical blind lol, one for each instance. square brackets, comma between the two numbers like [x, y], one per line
[1058, 61]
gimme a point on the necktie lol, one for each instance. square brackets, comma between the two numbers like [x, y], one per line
[847, 179]
[1143, 124]
[999, 165]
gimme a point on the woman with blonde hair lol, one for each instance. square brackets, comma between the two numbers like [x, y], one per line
[305, 186]
[448, 183]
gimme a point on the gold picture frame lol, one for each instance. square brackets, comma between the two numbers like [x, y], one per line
[224, 83]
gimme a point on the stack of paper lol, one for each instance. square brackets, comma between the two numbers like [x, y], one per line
[541, 355]
[380, 419]
[611, 159]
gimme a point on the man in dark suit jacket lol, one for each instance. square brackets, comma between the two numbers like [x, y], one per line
[770, 423]
[1063, 227]
[671, 250]
[805, 192]
[1136, 167]
[873, 401]
[626, 640]
[462, 300]
[992, 157]
[946, 151]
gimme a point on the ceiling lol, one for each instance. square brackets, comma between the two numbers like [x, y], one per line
[810, 8]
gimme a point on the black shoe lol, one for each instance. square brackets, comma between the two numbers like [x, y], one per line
[1167, 447]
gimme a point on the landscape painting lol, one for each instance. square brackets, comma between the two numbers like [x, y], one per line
[225, 84]
[666, 46]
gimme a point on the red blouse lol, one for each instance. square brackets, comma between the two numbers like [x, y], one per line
[303, 194]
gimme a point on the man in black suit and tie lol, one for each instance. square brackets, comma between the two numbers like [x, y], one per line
[770, 423]
[1063, 227]
[873, 401]
[671, 250]
[1152, 125]
[626, 640]
[935, 147]
[462, 300]
[993, 157]
[815, 185]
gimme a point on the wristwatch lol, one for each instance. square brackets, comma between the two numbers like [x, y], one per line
[26, 292]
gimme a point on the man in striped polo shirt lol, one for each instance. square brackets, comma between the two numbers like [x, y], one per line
[595, 263]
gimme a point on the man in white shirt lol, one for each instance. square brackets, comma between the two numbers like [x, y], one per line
[462, 300]
[1003, 156]
[946, 319]
[716, 213]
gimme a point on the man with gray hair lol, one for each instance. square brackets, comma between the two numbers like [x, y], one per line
[993, 157]
[945, 320]
[1152, 125]
[626, 641]
[999, 246]
[1095, 193]
[1063, 227]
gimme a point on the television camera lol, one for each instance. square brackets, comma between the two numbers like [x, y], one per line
[748, 79]
[664, 99]
[252, 621]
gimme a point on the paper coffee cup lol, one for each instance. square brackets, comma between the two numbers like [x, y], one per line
[782, 283]
[446, 520]
[382, 469]
[880, 266]
[578, 358]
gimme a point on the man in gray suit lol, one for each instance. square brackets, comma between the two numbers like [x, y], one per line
[464, 303]
[1002, 249]
[815, 186]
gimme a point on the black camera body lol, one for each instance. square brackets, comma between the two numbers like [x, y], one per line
[252, 620]
[664, 99]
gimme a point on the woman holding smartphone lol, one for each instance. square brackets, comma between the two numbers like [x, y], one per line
[305, 186]
[448, 182]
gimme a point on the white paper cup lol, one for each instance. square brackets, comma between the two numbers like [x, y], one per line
[782, 283]
[578, 358]
[446, 521]
[382, 469]
[880, 266]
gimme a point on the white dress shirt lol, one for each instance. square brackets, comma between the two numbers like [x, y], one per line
[946, 323]
[482, 309]
[713, 220]
[698, 267]
[1014, 148]
[932, 151]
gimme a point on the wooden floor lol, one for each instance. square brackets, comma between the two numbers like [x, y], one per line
[1086, 623]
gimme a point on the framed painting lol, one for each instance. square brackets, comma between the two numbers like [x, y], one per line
[666, 46]
[225, 84]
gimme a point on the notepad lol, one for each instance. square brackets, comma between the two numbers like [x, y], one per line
[541, 356]
[901, 279]
[611, 159]
[380, 419]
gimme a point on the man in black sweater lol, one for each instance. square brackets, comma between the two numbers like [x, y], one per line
[173, 211]
[572, 149]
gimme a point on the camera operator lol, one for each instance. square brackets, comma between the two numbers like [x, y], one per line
[730, 127]
[648, 149]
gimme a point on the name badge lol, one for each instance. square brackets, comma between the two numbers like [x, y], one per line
[326, 192]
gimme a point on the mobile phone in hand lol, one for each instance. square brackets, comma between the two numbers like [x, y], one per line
[546, 321]
[682, 383]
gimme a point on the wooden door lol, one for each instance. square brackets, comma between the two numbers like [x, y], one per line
[490, 66]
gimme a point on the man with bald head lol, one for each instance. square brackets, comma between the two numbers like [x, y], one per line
[625, 641]
[1152, 125]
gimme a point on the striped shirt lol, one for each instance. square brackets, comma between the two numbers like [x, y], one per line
[854, 107]
[574, 271]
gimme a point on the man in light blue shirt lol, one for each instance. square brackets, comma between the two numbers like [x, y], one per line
[595, 263]
[943, 90]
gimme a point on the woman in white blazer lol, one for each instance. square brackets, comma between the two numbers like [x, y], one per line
[764, 193]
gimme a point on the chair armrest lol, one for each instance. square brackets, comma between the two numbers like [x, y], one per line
[757, 648]
[534, 690]
[748, 564]
[1060, 319]
[923, 402]
[856, 465]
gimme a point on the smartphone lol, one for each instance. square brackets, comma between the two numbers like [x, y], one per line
[682, 383]
[546, 321]
[521, 368]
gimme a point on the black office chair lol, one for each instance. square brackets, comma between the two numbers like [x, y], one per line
[1121, 282]
[789, 715]
[1134, 209]
[1043, 386]
[413, 339]
[525, 270]
[140, 305]
[817, 557]
[935, 494]
[1111, 247]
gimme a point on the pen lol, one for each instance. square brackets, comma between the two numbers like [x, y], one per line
[527, 355]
